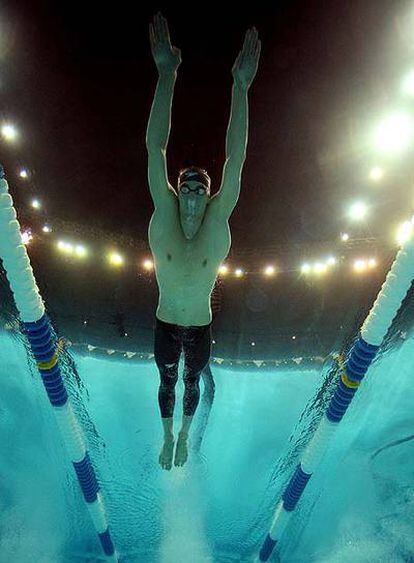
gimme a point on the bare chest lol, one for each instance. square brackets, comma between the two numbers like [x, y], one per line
[179, 258]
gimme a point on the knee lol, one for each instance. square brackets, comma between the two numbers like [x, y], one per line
[168, 375]
[191, 379]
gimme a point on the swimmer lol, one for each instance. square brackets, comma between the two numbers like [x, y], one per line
[189, 234]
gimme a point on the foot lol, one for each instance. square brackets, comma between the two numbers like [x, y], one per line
[181, 452]
[166, 454]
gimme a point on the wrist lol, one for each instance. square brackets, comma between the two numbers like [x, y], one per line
[242, 88]
[167, 73]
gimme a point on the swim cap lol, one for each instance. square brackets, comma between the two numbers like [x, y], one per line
[197, 174]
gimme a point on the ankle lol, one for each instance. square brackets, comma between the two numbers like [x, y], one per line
[183, 434]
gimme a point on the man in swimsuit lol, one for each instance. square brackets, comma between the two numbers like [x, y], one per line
[189, 234]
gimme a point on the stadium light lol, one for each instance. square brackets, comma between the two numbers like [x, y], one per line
[148, 264]
[394, 134]
[358, 211]
[115, 259]
[9, 132]
[269, 270]
[376, 174]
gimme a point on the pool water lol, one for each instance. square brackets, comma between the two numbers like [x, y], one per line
[358, 506]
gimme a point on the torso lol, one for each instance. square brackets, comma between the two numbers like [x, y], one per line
[186, 270]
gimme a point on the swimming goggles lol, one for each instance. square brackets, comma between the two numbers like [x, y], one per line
[185, 189]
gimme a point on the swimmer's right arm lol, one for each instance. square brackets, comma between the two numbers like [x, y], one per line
[167, 59]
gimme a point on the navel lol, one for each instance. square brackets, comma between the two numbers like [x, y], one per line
[205, 262]
[168, 256]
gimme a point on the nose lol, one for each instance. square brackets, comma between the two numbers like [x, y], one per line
[192, 200]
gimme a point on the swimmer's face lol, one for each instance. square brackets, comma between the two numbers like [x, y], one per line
[193, 200]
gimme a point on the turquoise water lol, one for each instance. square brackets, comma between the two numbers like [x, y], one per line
[359, 506]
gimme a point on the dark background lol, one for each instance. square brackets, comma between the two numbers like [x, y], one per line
[77, 79]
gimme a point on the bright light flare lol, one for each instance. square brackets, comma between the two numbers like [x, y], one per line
[360, 265]
[9, 132]
[407, 85]
[331, 261]
[115, 259]
[27, 237]
[23, 173]
[394, 134]
[358, 211]
[344, 237]
[36, 204]
[404, 232]
[372, 263]
[46, 229]
[320, 268]
[148, 265]
[80, 251]
[223, 270]
[65, 247]
[363, 264]
[376, 174]
[306, 268]
[269, 270]
[238, 272]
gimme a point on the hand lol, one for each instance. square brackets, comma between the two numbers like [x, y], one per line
[245, 68]
[166, 57]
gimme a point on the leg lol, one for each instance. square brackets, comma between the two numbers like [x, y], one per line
[167, 350]
[205, 407]
[197, 350]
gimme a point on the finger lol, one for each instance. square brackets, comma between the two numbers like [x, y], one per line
[160, 30]
[256, 35]
[237, 62]
[250, 42]
[241, 58]
[246, 41]
[154, 40]
[153, 34]
[253, 41]
[163, 32]
[159, 27]
[258, 50]
[250, 45]
[155, 29]
[166, 30]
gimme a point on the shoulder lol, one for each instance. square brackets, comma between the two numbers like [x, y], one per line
[167, 203]
[217, 209]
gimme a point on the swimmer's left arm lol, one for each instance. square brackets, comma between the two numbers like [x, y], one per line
[244, 71]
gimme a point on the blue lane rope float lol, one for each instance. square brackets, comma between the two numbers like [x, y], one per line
[353, 370]
[45, 347]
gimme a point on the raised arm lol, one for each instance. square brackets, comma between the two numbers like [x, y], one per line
[244, 71]
[167, 60]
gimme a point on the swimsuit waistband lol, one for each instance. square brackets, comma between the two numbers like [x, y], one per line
[193, 327]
